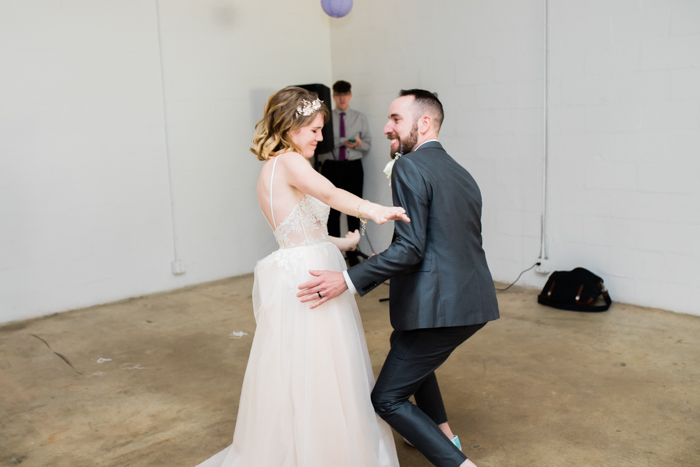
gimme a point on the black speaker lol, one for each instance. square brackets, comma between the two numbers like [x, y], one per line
[324, 93]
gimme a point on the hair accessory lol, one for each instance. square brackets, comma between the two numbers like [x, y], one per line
[308, 108]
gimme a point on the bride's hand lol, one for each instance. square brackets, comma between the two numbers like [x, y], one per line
[381, 214]
[354, 239]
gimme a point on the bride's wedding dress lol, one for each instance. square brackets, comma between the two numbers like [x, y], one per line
[305, 400]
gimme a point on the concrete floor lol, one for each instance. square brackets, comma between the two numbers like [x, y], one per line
[539, 387]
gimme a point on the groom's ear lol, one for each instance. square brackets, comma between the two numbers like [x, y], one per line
[425, 123]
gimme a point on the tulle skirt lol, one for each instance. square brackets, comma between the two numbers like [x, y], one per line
[305, 400]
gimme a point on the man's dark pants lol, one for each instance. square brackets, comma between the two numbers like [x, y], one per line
[349, 176]
[409, 370]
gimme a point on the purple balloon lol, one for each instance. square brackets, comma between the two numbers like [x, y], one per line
[336, 8]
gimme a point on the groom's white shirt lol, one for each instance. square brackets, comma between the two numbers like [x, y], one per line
[348, 282]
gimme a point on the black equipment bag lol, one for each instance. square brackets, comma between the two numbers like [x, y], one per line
[574, 290]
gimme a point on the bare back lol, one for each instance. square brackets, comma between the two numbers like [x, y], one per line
[296, 219]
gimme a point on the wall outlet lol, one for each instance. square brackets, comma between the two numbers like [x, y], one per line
[178, 267]
[545, 266]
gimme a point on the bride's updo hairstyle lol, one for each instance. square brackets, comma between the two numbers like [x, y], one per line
[286, 110]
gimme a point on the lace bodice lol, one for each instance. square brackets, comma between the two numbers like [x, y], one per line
[306, 224]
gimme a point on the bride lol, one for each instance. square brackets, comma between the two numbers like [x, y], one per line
[305, 400]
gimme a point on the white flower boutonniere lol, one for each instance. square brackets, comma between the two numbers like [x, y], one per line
[390, 166]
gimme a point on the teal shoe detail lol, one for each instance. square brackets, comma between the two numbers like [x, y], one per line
[456, 442]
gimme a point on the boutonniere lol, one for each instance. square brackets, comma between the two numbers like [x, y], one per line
[390, 166]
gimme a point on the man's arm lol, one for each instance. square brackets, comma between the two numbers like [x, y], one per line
[408, 250]
[348, 283]
[365, 136]
[403, 254]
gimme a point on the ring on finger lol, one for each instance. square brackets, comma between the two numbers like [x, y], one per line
[319, 295]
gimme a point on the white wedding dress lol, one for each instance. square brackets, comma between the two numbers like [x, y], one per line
[305, 400]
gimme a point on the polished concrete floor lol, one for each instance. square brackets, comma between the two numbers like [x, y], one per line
[539, 387]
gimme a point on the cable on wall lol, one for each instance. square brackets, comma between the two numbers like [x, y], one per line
[177, 266]
[518, 278]
[543, 267]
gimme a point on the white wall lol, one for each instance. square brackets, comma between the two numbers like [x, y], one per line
[625, 144]
[85, 179]
[85, 205]
[624, 127]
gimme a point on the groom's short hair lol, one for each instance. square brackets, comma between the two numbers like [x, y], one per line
[427, 102]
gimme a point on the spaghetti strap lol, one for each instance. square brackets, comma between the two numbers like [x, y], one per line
[272, 179]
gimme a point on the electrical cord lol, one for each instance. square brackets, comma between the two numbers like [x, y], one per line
[370, 244]
[516, 280]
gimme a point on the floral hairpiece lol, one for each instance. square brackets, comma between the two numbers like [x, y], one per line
[308, 108]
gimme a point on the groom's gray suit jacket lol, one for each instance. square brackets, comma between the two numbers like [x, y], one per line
[439, 276]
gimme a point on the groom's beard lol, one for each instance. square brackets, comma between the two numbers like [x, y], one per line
[407, 143]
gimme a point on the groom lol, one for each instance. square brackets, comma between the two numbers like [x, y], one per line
[441, 288]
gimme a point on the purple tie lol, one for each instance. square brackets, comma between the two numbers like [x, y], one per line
[341, 153]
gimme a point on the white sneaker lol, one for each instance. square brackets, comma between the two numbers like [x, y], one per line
[456, 442]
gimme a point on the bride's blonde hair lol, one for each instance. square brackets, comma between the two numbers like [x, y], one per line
[281, 117]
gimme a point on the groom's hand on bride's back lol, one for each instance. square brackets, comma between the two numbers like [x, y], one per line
[326, 285]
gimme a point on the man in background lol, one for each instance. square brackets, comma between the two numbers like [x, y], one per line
[343, 165]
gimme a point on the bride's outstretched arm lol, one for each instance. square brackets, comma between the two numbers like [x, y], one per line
[303, 177]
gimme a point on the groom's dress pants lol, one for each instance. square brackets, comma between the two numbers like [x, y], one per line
[409, 370]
